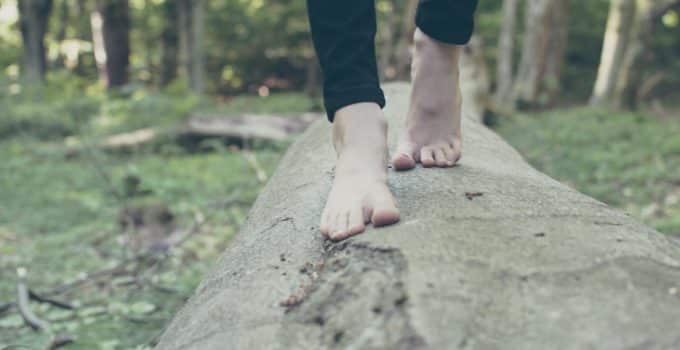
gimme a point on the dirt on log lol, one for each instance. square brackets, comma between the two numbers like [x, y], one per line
[489, 254]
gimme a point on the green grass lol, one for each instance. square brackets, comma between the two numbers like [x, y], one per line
[59, 217]
[627, 160]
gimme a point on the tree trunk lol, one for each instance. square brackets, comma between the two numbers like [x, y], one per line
[96, 24]
[190, 16]
[557, 44]
[33, 18]
[616, 37]
[534, 51]
[629, 76]
[403, 52]
[389, 47]
[60, 36]
[505, 51]
[115, 34]
[169, 43]
[629, 29]
[474, 79]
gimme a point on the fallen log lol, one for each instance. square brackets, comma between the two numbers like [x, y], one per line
[244, 128]
[250, 127]
[490, 254]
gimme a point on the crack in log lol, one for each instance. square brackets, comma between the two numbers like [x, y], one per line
[358, 301]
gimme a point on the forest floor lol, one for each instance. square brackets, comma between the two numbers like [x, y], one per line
[628, 160]
[66, 217]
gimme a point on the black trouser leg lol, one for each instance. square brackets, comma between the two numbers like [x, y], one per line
[448, 21]
[343, 32]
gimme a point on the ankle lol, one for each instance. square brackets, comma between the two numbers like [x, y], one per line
[359, 123]
[423, 41]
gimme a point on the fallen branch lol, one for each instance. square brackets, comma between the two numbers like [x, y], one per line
[44, 299]
[27, 314]
[250, 127]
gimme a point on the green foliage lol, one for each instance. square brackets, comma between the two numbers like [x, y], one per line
[627, 160]
[60, 215]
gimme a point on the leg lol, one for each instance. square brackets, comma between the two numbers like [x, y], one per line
[343, 34]
[432, 134]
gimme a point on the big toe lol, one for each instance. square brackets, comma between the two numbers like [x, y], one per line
[403, 161]
[385, 211]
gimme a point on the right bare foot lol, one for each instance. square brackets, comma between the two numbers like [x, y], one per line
[432, 134]
[359, 194]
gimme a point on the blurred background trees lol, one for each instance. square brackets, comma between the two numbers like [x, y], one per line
[620, 50]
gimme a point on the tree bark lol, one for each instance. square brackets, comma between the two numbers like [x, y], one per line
[33, 17]
[616, 39]
[505, 51]
[534, 51]
[115, 34]
[190, 16]
[169, 43]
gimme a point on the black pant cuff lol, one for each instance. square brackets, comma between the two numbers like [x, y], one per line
[454, 32]
[338, 99]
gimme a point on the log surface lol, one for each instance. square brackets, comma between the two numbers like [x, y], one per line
[489, 254]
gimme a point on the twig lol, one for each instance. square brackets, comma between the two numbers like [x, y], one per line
[43, 299]
[22, 301]
[90, 277]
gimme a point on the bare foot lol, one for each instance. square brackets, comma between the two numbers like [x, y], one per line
[359, 194]
[431, 134]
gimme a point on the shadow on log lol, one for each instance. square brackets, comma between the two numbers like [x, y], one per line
[489, 254]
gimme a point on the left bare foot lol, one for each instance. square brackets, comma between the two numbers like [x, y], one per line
[432, 133]
[359, 194]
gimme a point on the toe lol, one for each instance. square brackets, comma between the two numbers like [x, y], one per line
[368, 213]
[356, 221]
[427, 157]
[450, 154]
[324, 225]
[403, 161]
[385, 211]
[455, 148]
[403, 158]
[440, 157]
[339, 228]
